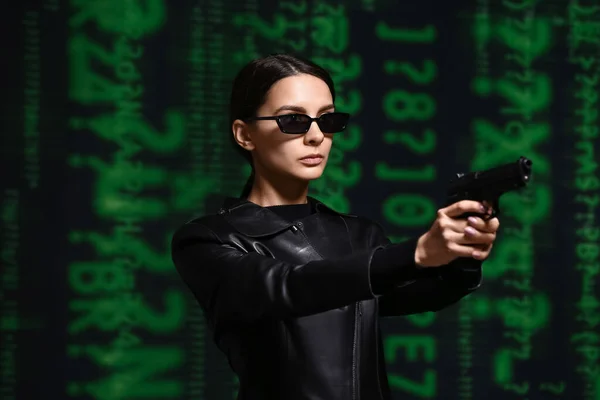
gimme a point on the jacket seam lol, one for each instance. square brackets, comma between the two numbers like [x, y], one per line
[348, 233]
[369, 269]
[213, 234]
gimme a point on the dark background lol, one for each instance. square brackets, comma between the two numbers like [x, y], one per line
[91, 306]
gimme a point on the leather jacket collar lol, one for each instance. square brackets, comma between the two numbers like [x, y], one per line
[254, 220]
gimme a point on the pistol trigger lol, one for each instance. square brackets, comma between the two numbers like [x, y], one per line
[495, 212]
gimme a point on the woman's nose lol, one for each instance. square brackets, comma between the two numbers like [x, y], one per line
[314, 134]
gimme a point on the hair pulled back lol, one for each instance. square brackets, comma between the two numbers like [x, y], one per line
[251, 87]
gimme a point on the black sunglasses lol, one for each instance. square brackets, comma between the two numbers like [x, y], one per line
[300, 123]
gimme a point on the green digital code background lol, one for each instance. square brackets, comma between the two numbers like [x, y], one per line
[115, 132]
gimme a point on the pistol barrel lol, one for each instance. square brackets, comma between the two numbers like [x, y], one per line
[502, 178]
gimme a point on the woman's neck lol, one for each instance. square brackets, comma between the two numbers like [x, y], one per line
[268, 193]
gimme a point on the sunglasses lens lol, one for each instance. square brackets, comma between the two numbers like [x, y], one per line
[295, 123]
[300, 123]
[333, 122]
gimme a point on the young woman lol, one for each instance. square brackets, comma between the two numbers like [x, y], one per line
[292, 290]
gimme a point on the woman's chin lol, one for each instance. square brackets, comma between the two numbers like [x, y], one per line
[310, 175]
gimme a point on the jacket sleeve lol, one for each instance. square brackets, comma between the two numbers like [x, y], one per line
[235, 286]
[432, 289]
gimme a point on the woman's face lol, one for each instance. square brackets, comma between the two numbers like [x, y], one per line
[284, 155]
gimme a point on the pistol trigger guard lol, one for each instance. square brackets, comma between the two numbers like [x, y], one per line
[493, 215]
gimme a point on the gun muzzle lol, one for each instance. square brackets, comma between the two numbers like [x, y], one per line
[525, 166]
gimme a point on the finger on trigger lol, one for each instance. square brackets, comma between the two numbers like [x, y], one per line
[464, 206]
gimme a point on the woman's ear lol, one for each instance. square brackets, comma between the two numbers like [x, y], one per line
[241, 134]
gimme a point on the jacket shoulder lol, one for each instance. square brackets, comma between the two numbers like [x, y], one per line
[208, 221]
[208, 227]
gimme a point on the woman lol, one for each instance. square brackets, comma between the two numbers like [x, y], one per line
[291, 289]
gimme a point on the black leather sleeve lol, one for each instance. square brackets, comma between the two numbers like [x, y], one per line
[392, 265]
[235, 286]
[432, 289]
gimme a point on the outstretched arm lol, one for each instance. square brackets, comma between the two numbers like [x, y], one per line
[235, 286]
[448, 258]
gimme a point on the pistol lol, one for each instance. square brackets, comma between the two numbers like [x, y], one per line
[491, 184]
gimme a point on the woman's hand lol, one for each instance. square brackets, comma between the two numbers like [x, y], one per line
[450, 237]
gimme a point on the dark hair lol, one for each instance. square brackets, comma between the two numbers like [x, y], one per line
[251, 87]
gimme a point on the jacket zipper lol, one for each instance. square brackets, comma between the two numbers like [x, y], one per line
[356, 344]
[356, 353]
[377, 350]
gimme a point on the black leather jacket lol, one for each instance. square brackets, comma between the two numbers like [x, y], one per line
[291, 304]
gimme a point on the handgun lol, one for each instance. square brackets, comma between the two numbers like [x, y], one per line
[490, 185]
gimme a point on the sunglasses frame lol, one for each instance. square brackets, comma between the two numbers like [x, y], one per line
[277, 118]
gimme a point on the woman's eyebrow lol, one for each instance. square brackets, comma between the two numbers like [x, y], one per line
[290, 108]
[301, 109]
